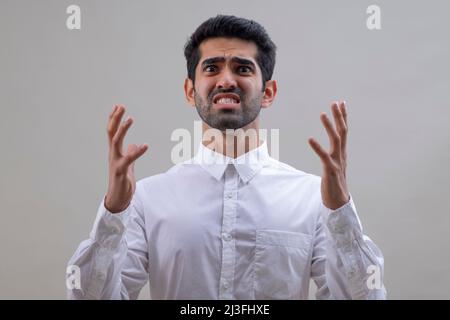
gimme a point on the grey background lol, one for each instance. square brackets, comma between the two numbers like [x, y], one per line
[58, 86]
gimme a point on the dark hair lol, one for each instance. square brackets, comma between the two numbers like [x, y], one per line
[232, 27]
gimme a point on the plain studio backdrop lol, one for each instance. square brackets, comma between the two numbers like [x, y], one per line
[57, 87]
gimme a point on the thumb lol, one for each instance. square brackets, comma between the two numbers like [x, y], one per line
[134, 152]
[131, 150]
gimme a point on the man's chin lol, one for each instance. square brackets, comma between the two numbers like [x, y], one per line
[231, 123]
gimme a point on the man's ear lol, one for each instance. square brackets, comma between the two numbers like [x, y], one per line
[189, 91]
[269, 93]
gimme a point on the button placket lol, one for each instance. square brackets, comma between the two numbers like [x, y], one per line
[228, 243]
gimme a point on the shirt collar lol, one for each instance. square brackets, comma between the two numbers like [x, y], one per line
[247, 165]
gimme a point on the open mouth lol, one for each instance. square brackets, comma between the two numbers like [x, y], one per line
[226, 101]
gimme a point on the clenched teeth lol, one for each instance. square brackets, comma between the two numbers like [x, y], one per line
[227, 101]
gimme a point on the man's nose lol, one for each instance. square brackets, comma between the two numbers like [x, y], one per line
[226, 81]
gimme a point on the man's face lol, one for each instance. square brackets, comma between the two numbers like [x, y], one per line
[228, 83]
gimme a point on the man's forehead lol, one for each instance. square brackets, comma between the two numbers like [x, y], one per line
[228, 49]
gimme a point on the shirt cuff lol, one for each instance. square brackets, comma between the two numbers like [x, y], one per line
[343, 224]
[109, 227]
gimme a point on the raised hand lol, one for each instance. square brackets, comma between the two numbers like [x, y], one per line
[334, 184]
[122, 183]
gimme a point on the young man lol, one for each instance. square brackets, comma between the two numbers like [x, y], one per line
[232, 223]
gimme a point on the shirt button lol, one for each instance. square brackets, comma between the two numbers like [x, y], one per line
[230, 195]
[100, 275]
[115, 230]
[352, 272]
[226, 236]
[225, 284]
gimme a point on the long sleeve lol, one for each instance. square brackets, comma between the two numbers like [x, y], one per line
[346, 264]
[113, 262]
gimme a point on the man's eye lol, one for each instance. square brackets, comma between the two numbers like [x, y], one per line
[244, 69]
[210, 69]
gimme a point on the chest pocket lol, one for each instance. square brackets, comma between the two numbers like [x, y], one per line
[281, 264]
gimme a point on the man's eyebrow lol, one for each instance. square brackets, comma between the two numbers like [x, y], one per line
[212, 60]
[238, 60]
[243, 61]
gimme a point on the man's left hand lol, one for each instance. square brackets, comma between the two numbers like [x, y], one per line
[334, 185]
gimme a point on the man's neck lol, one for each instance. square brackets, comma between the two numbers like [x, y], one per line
[232, 143]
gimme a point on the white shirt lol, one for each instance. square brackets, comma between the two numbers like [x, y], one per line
[215, 227]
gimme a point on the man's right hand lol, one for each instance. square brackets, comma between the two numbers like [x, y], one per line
[121, 166]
